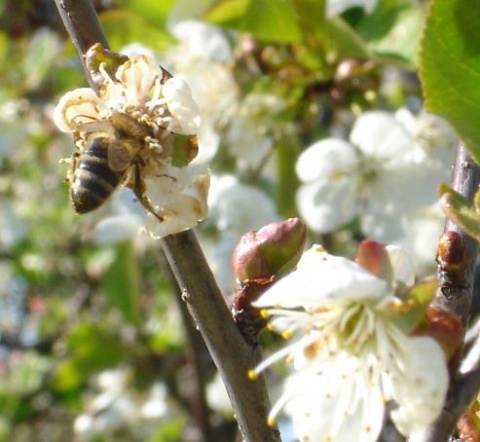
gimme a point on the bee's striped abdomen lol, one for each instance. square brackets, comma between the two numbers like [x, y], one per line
[93, 180]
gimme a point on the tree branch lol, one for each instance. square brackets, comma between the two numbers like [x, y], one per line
[232, 356]
[83, 27]
[455, 289]
[455, 292]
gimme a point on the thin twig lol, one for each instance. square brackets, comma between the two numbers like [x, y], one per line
[455, 291]
[83, 27]
[232, 356]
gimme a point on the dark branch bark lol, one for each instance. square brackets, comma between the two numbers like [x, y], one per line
[458, 296]
[232, 356]
[83, 27]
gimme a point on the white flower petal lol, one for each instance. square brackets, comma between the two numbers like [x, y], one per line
[179, 197]
[423, 227]
[76, 107]
[117, 228]
[420, 393]
[351, 358]
[328, 205]
[237, 207]
[378, 134]
[322, 279]
[181, 105]
[402, 265]
[337, 405]
[327, 159]
[208, 143]
[203, 40]
[138, 76]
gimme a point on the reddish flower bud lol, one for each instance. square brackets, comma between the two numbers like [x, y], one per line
[373, 256]
[444, 326]
[451, 256]
[258, 260]
[270, 251]
[467, 428]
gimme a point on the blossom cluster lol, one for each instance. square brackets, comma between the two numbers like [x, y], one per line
[160, 109]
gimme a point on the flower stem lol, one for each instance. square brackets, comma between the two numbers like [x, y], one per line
[232, 356]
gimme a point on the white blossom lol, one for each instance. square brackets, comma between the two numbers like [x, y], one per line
[386, 170]
[117, 407]
[162, 107]
[237, 207]
[203, 40]
[252, 129]
[202, 58]
[350, 358]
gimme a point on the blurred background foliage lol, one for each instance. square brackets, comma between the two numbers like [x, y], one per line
[92, 343]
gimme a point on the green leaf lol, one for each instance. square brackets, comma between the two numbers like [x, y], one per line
[121, 283]
[91, 349]
[461, 210]
[393, 31]
[418, 298]
[311, 13]
[334, 34]
[273, 21]
[345, 40]
[450, 67]
[149, 9]
[126, 27]
[226, 11]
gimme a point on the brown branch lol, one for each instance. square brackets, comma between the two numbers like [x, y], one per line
[83, 27]
[232, 356]
[455, 292]
[456, 285]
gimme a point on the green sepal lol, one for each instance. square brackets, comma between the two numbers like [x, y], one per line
[460, 210]
[415, 302]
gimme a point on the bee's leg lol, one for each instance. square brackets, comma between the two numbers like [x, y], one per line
[139, 190]
[72, 162]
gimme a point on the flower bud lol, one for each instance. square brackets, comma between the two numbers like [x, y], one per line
[444, 326]
[468, 427]
[451, 255]
[270, 251]
[373, 256]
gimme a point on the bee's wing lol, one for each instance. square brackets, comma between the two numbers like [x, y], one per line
[120, 155]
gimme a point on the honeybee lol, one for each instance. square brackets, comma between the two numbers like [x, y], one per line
[113, 146]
